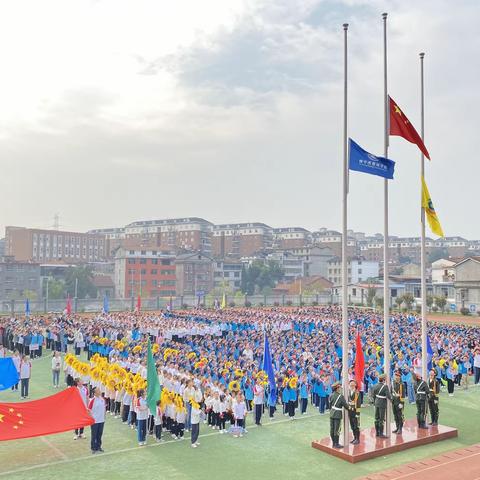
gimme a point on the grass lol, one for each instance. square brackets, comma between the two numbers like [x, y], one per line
[280, 449]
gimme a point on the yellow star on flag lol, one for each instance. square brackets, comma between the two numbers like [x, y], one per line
[1, 417]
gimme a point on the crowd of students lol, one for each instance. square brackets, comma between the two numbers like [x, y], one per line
[210, 361]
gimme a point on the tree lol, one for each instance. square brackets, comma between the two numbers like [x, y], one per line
[440, 302]
[371, 296]
[379, 302]
[244, 279]
[398, 302]
[408, 300]
[85, 286]
[260, 276]
[56, 289]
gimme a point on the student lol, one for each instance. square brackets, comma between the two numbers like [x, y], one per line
[180, 416]
[142, 415]
[239, 413]
[303, 397]
[158, 423]
[127, 401]
[258, 392]
[96, 407]
[222, 412]
[25, 374]
[56, 367]
[195, 423]
[82, 390]
[16, 361]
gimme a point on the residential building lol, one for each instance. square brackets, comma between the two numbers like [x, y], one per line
[293, 265]
[54, 246]
[104, 284]
[2, 247]
[19, 279]
[358, 269]
[290, 237]
[115, 238]
[148, 273]
[316, 258]
[227, 274]
[175, 235]
[333, 240]
[443, 270]
[241, 239]
[194, 274]
[467, 284]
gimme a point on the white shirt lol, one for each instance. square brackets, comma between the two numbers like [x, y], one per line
[97, 409]
[25, 369]
[56, 363]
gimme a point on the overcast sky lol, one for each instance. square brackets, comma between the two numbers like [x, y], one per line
[114, 111]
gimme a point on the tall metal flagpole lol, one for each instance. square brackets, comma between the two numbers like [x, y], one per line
[344, 241]
[386, 286]
[422, 247]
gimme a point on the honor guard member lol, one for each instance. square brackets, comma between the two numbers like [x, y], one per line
[380, 394]
[354, 404]
[398, 401]
[421, 395]
[337, 404]
[434, 389]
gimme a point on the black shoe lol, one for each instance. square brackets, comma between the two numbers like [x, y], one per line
[382, 435]
[101, 450]
[398, 432]
[337, 445]
[423, 427]
[395, 431]
[356, 441]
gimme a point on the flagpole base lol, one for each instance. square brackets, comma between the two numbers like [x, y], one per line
[371, 446]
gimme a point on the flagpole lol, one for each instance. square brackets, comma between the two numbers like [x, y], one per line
[344, 241]
[422, 245]
[386, 286]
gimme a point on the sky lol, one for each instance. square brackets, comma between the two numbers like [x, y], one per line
[113, 111]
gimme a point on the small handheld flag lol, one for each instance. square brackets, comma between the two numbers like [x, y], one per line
[224, 301]
[430, 212]
[106, 304]
[362, 161]
[27, 307]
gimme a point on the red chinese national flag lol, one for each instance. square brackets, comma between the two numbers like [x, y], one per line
[61, 412]
[359, 362]
[401, 126]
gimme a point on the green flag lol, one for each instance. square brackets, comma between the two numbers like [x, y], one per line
[153, 385]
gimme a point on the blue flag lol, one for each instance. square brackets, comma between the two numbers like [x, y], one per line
[268, 367]
[429, 354]
[106, 304]
[362, 161]
[8, 373]
[27, 307]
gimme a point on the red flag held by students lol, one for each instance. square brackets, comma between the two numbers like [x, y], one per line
[61, 412]
[401, 126]
[359, 362]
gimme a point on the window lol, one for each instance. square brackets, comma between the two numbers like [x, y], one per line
[131, 261]
[131, 252]
[143, 252]
[154, 261]
[354, 292]
[394, 293]
[153, 272]
[143, 261]
[359, 271]
[166, 262]
[154, 283]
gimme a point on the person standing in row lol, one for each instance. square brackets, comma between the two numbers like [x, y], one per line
[83, 391]
[56, 367]
[142, 415]
[195, 423]
[354, 403]
[97, 408]
[258, 398]
[380, 394]
[16, 361]
[398, 401]
[25, 374]
[337, 404]
[434, 389]
[421, 395]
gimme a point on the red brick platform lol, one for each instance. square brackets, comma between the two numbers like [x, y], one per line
[463, 464]
[371, 447]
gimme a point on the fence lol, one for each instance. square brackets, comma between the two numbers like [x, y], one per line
[158, 303]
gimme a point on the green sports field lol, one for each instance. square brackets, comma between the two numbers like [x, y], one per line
[280, 449]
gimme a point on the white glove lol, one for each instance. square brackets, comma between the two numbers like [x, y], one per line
[400, 406]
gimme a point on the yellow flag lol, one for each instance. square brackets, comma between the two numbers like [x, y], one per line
[432, 217]
[224, 301]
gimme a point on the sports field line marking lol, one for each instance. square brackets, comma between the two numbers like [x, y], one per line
[436, 466]
[130, 449]
[54, 448]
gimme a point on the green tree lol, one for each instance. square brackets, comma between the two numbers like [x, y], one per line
[244, 280]
[85, 286]
[260, 276]
[398, 302]
[429, 301]
[408, 300]
[379, 302]
[56, 289]
[440, 302]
